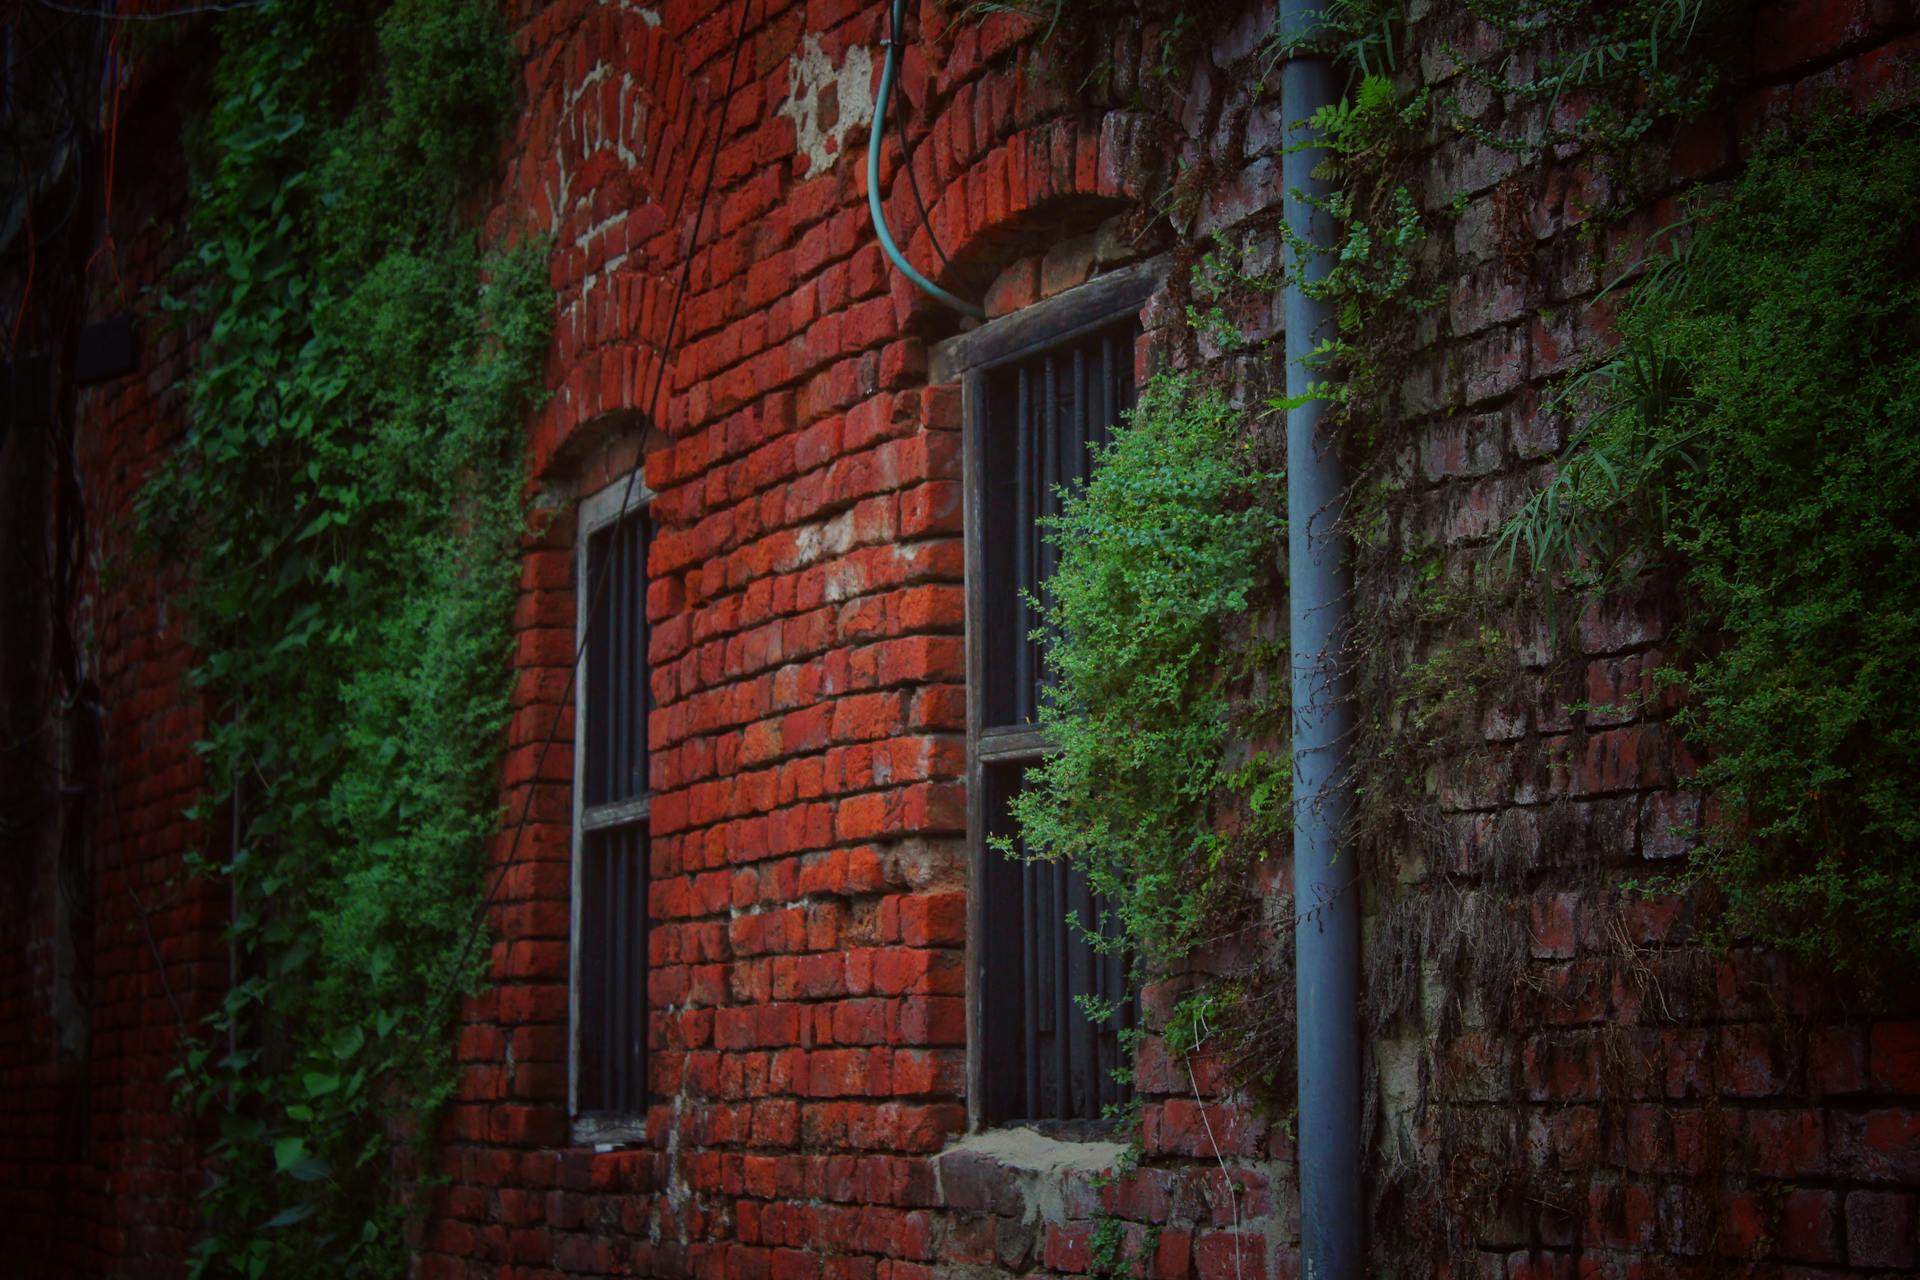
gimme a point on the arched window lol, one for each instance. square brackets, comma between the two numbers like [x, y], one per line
[611, 804]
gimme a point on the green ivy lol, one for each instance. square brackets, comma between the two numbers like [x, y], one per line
[1367, 37]
[1627, 67]
[1758, 431]
[1161, 555]
[1359, 138]
[348, 494]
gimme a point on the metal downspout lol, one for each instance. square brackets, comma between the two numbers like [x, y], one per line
[874, 135]
[1325, 882]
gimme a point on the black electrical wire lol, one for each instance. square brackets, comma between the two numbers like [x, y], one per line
[595, 594]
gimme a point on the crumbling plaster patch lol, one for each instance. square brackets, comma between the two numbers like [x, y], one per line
[827, 103]
[1038, 1164]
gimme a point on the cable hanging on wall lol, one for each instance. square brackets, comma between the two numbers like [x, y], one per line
[875, 134]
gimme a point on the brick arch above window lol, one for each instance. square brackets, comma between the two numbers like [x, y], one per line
[992, 205]
[595, 453]
[604, 162]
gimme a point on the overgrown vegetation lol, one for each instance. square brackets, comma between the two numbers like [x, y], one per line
[1161, 557]
[1362, 140]
[1360, 143]
[1439, 632]
[1754, 438]
[1588, 73]
[1599, 73]
[348, 495]
[1758, 431]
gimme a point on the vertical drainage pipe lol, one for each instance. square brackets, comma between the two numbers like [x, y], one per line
[1325, 884]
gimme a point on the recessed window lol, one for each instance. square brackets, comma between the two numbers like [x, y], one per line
[611, 805]
[1044, 390]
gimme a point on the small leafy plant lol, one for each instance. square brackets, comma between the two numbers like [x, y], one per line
[1360, 143]
[1603, 73]
[1758, 433]
[1162, 555]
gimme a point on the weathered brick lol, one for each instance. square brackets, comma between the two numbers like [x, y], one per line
[1895, 1060]
[1880, 1229]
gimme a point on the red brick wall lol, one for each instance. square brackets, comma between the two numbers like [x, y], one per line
[159, 959]
[808, 856]
[809, 863]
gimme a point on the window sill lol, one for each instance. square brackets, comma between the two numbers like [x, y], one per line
[605, 1131]
[1021, 1172]
[1061, 1146]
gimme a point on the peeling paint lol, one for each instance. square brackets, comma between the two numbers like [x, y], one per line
[827, 103]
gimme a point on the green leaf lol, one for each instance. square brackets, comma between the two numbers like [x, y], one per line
[288, 1152]
[312, 1169]
[348, 1042]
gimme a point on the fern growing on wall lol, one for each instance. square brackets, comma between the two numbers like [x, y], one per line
[1161, 556]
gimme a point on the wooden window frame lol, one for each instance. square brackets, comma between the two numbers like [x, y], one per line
[968, 359]
[624, 498]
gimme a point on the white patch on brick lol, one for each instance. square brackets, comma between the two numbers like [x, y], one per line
[1038, 1165]
[649, 14]
[810, 73]
[807, 544]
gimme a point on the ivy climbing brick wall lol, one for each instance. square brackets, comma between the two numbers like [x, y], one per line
[808, 933]
[1566, 1085]
[1559, 1083]
[1554, 1097]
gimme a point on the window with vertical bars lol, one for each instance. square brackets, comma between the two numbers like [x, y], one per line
[610, 860]
[1038, 423]
[1044, 417]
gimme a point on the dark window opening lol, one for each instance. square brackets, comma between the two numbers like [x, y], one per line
[1044, 417]
[613, 972]
[615, 767]
[1039, 422]
[610, 982]
[1047, 1059]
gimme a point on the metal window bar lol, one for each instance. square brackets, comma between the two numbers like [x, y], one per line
[1047, 1060]
[617, 685]
[613, 977]
[611, 1015]
[1046, 416]
[1042, 1057]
